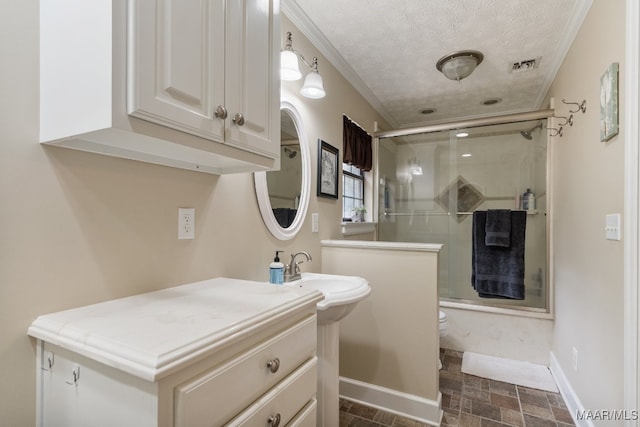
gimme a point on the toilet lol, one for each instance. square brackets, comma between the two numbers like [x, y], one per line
[444, 329]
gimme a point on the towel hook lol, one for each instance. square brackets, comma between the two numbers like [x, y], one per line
[567, 120]
[51, 359]
[76, 375]
[581, 107]
[558, 132]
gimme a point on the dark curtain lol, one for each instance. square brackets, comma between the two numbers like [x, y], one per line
[357, 145]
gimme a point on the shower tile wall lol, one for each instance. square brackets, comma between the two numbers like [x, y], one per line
[501, 167]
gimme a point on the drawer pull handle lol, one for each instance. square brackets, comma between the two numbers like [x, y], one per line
[273, 365]
[274, 420]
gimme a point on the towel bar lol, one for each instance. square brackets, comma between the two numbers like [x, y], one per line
[532, 212]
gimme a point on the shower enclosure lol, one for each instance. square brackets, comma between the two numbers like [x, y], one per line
[430, 181]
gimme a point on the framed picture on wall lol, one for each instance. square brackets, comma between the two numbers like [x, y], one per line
[328, 157]
[609, 103]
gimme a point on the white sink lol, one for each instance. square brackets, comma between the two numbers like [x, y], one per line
[341, 294]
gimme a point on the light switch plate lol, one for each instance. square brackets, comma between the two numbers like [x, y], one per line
[314, 222]
[612, 227]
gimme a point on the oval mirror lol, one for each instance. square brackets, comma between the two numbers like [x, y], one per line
[283, 195]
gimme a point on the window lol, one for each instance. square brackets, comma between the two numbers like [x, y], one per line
[352, 190]
[357, 158]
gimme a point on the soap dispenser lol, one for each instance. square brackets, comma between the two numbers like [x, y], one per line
[276, 271]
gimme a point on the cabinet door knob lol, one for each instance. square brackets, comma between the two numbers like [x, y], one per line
[274, 420]
[238, 119]
[273, 365]
[221, 112]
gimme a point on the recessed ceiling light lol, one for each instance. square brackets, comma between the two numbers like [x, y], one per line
[462, 134]
[491, 101]
[428, 111]
[466, 155]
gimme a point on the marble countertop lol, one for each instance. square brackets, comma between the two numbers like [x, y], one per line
[149, 335]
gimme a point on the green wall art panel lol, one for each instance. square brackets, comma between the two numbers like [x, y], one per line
[609, 103]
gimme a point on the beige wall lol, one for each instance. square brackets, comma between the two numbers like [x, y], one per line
[80, 228]
[588, 184]
[391, 339]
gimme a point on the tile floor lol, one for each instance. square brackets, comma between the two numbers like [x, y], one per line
[469, 401]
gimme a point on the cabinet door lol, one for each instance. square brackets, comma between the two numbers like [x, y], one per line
[252, 75]
[176, 64]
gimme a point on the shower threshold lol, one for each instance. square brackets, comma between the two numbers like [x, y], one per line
[520, 311]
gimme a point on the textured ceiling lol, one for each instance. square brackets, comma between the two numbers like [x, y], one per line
[388, 50]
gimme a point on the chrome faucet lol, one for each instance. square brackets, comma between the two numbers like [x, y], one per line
[292, 270]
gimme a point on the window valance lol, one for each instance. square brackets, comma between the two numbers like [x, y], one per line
[357, 145]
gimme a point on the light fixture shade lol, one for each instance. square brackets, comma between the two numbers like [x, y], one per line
[458, 65]
[313, 87]
[416, 170]
[289, 68]
[414, 167]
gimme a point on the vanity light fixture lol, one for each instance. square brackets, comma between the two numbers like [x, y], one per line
[462, 134]
[290, 71]
[458, 65]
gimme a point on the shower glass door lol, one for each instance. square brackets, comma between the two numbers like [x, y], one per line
[413, 172]
[431, 183]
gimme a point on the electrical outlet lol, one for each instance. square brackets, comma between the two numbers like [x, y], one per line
[186, 223]
[314, 222]
[574, 359]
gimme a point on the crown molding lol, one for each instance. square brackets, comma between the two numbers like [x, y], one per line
[574, 24]
[292, 10]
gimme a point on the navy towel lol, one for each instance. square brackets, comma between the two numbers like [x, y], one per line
[498, 228]
[497, 271]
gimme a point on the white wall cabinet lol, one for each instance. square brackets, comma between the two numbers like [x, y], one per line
[206, 68]
[212, 353]
[189, 84]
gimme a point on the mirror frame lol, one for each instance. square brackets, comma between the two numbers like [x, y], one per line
[262, 191]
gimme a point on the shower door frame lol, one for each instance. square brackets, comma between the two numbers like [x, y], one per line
[547, 114]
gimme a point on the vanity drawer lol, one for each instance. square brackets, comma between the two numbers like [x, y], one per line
[282, 404]
[216, 396]
[307, 417]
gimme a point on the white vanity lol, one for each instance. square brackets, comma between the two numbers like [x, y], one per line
[217, 352]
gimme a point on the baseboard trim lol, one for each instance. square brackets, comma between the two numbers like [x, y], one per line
[404, 404]
[568, 394]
